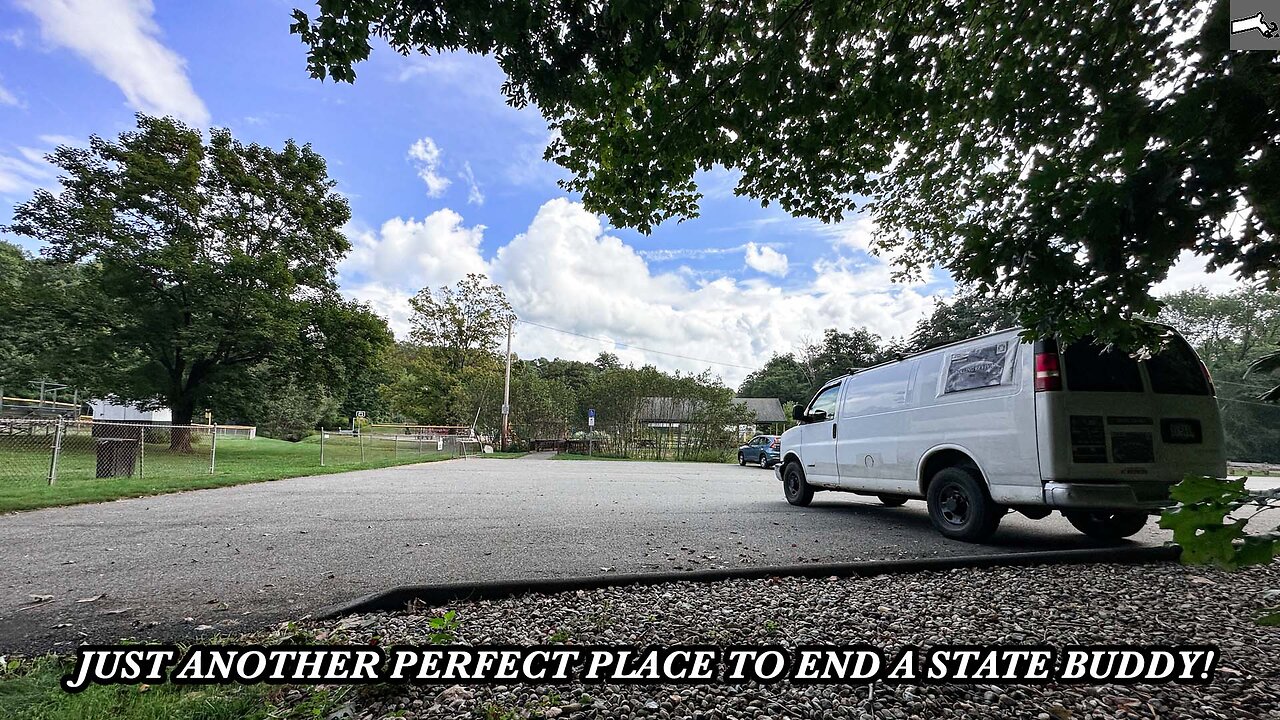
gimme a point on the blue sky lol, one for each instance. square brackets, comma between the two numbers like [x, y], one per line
[444, 178]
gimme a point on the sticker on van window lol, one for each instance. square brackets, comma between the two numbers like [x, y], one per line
[977, 367]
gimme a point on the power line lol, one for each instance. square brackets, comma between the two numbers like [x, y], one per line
[1264, 388]
[1249, 402]
[635, 347]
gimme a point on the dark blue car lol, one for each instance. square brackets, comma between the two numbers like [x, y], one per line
[762, 450]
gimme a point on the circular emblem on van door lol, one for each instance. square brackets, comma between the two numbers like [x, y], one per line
[868, 461]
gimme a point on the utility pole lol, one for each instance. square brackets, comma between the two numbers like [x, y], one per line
[506, 390]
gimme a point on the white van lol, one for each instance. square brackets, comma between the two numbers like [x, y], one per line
[991, 424]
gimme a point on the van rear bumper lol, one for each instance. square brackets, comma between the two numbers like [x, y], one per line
[1105, 496]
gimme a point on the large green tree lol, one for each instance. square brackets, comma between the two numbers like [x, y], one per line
[783, 377]
[842, 352]
[1233, 332]
[43, 307]
[1066, 152]
[339, 367]
[471, 318]
[202, 258]
[967, 314]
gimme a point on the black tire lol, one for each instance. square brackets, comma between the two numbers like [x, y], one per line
[794, 486]
[960, 508]
[892, 500]
[742, 460]
[1107, 524]
[764, 460]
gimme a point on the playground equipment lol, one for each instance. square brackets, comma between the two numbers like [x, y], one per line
[44, 406]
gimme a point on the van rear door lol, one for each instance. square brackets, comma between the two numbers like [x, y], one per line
[1113, 418]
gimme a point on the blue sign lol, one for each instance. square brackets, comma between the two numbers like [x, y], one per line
[591, 413]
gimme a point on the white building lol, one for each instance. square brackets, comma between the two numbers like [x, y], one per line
[109, 410]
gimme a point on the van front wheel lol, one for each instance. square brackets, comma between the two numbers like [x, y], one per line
[1107, 525]
[959, 506]
[794, 486]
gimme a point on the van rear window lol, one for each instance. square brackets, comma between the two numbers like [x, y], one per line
[1091, 369]
[1175, 370]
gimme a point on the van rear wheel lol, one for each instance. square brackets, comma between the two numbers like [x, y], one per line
[1106, 524]
[794, 486]
[959, 506]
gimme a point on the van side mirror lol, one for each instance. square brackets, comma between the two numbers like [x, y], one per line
[797, 413]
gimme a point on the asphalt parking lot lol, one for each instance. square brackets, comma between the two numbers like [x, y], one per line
[240, 558]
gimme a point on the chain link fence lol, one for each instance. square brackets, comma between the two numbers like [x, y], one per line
[26, 448]
[57, 451]
[339, 448]
[60, 450]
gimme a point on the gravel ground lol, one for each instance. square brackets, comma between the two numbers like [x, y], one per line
[1065, 605]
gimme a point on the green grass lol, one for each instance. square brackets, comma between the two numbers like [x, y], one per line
[503, 455]
[29, 690]
[24, 469]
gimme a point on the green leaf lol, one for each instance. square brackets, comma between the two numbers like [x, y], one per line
[1256, 551]
[1198, 488]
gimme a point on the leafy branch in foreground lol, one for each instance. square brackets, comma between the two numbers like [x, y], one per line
[1083, 148]
[1208, 524]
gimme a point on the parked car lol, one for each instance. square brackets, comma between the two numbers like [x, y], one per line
[992, 424]
[762, 450]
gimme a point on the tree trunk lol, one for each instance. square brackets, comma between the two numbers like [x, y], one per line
[182, 411]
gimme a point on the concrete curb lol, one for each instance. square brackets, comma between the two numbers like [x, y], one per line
[434, 595]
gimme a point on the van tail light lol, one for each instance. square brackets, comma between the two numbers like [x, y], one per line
[1048, 373]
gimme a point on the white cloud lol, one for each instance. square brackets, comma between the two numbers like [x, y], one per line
[461, 68]
[55, 140]
[565, 271]
[857, 234]
[389, 302]
[426, 156]
[526, 166]
[8, 98]
[19, 176]
[1190, 271]
[474, 196]
[410, 255]
[717, 183]
[688, 253]
[766, 260]
[120, 39]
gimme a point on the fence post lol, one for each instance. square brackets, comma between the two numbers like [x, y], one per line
[57, 449]
[142, 451]
[361, 436]
[395, 446]
[322, 447]
[213, 449]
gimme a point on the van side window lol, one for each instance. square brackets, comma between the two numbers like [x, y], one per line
[878, 391]
[826, 400]
[976, 367]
